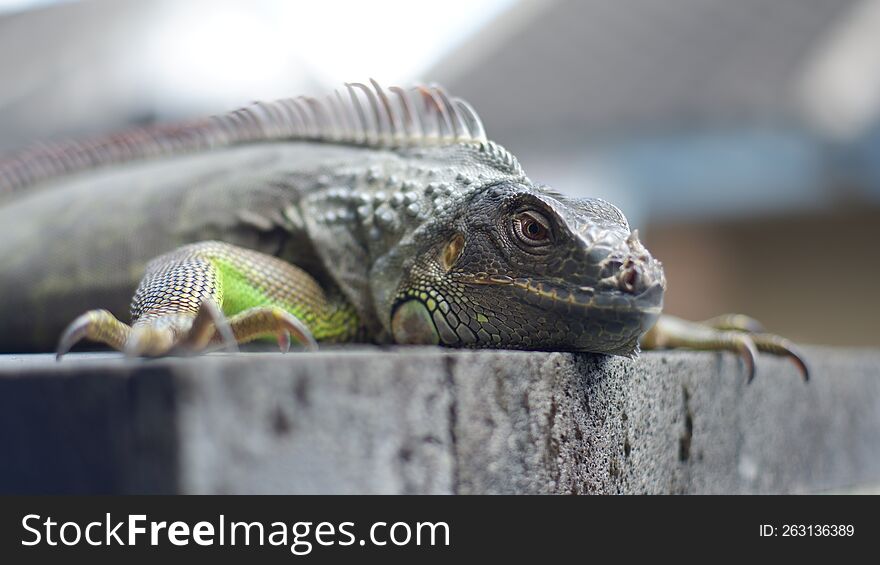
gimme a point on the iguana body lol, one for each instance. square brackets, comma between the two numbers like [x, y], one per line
[386, 217]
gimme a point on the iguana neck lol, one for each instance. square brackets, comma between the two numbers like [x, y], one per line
[368, 217]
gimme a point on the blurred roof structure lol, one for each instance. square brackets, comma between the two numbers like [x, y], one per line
[683, 108]
[74, 68]
[605, 66]
[71, 68]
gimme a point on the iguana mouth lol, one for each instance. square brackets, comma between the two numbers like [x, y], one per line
[649, 301]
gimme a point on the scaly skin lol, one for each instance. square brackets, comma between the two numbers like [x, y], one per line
[254, 294]
[237, 280]
[413, 239]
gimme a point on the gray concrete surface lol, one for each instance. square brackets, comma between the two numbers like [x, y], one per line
[437, 421]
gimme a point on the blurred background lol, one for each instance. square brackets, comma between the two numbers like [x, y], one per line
[741, 138]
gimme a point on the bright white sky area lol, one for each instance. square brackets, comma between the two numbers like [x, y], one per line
[338, 40]
[19, 5]
[259, 48]
[397, 38]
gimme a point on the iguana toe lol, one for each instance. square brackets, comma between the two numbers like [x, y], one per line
[730, 332]
[95, 325]
[262, 320]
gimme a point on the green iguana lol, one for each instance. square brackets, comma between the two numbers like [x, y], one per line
[372, 215]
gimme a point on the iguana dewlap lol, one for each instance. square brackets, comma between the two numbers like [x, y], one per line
[377, 215]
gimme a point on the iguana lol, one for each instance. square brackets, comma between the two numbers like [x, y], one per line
[380, 215]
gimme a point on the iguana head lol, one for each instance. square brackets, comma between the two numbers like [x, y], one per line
[517, 266]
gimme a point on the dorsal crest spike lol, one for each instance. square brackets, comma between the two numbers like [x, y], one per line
[343, 112]
[456, 122]
[411, 128]
[370, 116]
[435, 107]
[388, 111]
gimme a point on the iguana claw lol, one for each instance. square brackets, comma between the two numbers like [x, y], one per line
[179, 334]
[262, 320]
[208, 323]
[730, 332]
[95, 325]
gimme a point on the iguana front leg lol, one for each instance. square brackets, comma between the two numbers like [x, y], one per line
[729, 332]
[206, 294]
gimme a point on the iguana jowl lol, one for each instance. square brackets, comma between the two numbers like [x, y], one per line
[380, 215]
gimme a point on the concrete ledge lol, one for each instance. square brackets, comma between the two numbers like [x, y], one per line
[423, 420]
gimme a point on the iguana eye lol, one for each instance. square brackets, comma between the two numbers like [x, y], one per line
[531, 228]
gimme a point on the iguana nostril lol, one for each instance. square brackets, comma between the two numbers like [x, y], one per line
[629, 278]
[611, 268]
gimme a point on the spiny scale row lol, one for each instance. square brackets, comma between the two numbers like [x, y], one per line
[365, 115]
